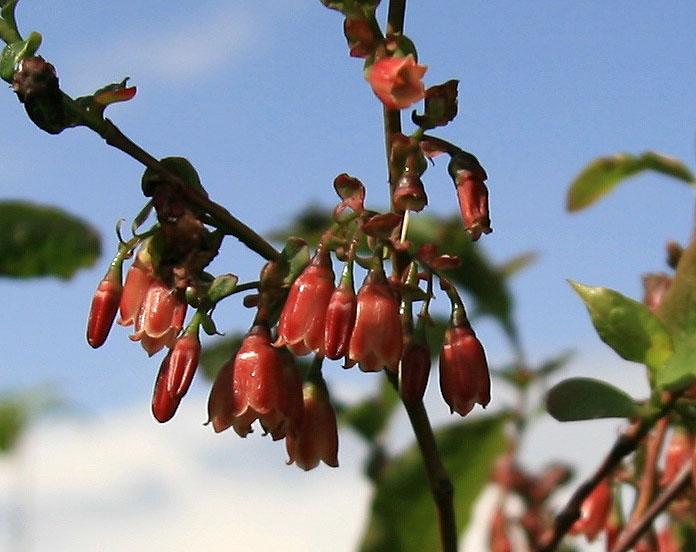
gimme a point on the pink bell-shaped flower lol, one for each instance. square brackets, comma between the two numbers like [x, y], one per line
[160, 319]
[377, 339]
[397, 81]
[301, 323]
[258, 383]
[317, 438]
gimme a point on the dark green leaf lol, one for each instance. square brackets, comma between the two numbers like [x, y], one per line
[296, 255]
[309, 225]
[403, 515]
[40, 241]
[626, 325]
[179, 166]
[603, 174]
[214, 356]
[587, 399]
[370, 416]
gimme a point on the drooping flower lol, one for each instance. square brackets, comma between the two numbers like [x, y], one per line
[594, 512]
[377, 339]
[397, 81]
[104, 307]
[138, 280]
[160, 318]
[317, 438]
[340, 317]
[464, 377]
[469, 176]
[175, 376]
[302, 321]
[414, 370]
[679, 450]
[258, 383]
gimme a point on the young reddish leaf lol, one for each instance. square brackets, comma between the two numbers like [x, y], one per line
[382, 225]
[351, 191]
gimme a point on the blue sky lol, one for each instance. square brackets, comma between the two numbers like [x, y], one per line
[265, 102]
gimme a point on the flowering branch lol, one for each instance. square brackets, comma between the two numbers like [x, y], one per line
[624, 445]
[633, 532]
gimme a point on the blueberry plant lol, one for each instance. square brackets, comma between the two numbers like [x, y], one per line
[376, 315]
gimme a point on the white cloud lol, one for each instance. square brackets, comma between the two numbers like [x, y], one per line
[176, 50]
[125, 483]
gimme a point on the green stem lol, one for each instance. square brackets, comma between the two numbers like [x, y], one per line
[440, 485]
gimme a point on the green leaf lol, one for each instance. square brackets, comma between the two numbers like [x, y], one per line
[680, 370]
[603, 174]
[403, 515]
[370, 416]
[517, 263]
[296, 255]
[179, 166]
[309, 225]
[678, 312]
[627, 326]
[222, 286]
[588, 399]
[40, 241]
[15, 52]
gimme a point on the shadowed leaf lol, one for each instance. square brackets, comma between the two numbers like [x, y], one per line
[587, 399]
[403, 515]
[44, 241]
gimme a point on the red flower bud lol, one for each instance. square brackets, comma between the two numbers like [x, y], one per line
[175, 376]
[464, 378]
[397, 81]
[139, 278]
[667, 541]
[680, 449]
[257, 384]
[377, 338]
[104, 308]
[340, 317]
[594, 512]
[301, 324]
[473, 203]
[414, 370]
[317, 438]
[160, 319]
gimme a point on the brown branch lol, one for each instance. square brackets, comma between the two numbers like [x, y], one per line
[646, 485]
[633, 531]
[624, 445]
[230, 224]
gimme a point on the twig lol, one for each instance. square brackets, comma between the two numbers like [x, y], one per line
[633, 531]
[624, 445]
